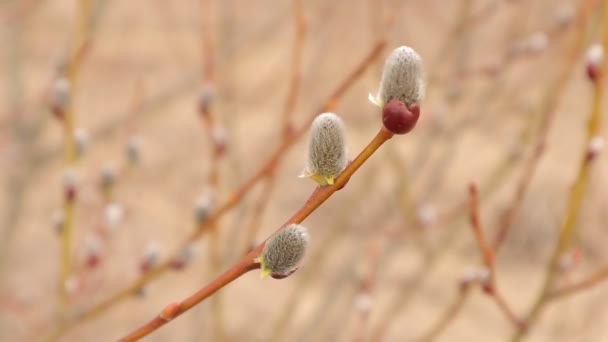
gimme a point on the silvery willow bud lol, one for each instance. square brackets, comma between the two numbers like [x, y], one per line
[283, 251]
[326, 149]
[402, 78]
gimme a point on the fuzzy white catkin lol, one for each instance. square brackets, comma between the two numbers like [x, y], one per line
[326, 148]
[402, 77]
[284, 250]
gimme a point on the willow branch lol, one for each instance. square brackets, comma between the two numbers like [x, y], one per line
[247, 263]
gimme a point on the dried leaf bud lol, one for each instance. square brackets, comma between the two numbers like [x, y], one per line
[402, 78]
[595, 58]
[134, 150]
[81, 140]
[184, 258]
[150, 257]
[58, 221]
[70, 181]
[108, 177]
[59, 96]
[113, 215]
[203, 207]
[326, 149]
[283, 251]
[398, 119]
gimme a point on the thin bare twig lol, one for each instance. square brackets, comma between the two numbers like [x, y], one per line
[577, 193]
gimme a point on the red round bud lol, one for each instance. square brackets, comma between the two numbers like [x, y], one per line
[593, 71]
[398, 119]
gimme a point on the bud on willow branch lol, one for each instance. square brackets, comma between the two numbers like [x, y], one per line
[326, 149]
[402, 78]
[283, 252]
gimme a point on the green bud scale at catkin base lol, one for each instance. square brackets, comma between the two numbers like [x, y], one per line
[326, 149]
[283, 252]
[402, 78]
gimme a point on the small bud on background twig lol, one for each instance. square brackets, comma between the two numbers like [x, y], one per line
[81, 139]
[59, 96]
[402, 78]
[70, 181]
[58, 220]
[596, 145]
[185, 257]
[283, 251]
[326, 149]
[113, 215]
[363, 302]
[205, 98]
[595, 58]
[219, 136]
[93, 246]
[150, 257]
[478, 274]
[427, 214]
[108, 177]
[564, 15]
[203, 207]
[134, 150]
